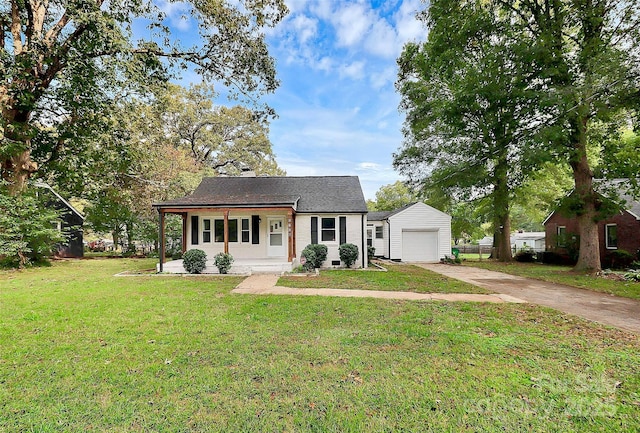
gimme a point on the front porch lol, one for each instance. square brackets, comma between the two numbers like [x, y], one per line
[239, 267]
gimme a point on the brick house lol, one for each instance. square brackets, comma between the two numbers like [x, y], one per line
[620, 232]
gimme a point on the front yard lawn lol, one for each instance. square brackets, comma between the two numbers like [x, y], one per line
[562, 275]
[399, 277]
[83, 351]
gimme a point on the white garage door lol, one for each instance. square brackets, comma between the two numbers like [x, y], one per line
[419, 246]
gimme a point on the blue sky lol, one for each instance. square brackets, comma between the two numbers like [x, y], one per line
[337, 105]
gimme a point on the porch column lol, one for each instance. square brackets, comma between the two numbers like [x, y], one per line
[184, 232]
[161, 237]
[290, 236]
[226, 231]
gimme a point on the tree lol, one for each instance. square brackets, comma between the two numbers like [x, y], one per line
[226, 139]
[587, 53]
[468, 108]
[391, 197]
[26, 231]
[63, 62]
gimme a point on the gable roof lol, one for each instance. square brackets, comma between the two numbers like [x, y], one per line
[383, 215]
[620, 187]
[48, 187]
[326, 194]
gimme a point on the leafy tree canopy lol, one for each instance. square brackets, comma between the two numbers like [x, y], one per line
[63, 62]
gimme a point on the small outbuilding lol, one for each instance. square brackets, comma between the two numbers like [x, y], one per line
[416, 232]
[70, 223]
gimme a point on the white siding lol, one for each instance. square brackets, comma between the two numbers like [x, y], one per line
[420, 217]
[245, 250]
[356, 234]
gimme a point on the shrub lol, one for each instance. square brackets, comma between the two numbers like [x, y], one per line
[348, 254]
[176, 255]
[526, 256]
[451, 260]
[632, 275]
[223, 262]
[315, 255]
[194, 261]
[26, 233]
[553, 258]
[618, 259]
[371, 251]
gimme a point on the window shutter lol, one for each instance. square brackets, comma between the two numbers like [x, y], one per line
[255, 229]
[343, 230]
[314, 230]
[194, 230]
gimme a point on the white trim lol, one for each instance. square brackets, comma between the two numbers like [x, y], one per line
[606, 236]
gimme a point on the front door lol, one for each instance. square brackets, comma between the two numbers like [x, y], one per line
[276, 242]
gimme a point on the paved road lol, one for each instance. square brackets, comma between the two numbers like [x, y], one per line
[610, 310]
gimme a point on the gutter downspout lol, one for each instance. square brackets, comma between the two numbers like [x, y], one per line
[389, 237]
[364, 234]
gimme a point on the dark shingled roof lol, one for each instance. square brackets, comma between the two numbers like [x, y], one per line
[305, 194]
[383, 215]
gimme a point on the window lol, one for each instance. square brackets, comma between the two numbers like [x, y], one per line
[328, 229]
[379, 232]
[245, 230]
[233, 230]
[206, 231]
[611, 235]
[219, 230]
[194, 230]
[370, 236]
[562, 236]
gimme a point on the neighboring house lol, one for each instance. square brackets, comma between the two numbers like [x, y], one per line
[528, 240]
[619, 232]
[271, 218]
[70, 224]
[414, 233]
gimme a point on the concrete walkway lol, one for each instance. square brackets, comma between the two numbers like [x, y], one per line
[264, 284]
[623, 313]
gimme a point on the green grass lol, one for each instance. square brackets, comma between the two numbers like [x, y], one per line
[408, 278]
[563, 275]
[82, 351]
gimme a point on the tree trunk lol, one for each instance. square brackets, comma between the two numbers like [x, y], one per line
[502, 222]
[16, 171]
[16, 167]
[589, 253]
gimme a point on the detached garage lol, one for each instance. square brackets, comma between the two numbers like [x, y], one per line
[414, 233]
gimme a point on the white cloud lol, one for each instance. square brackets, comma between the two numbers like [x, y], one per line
[369, 166]
[305, 27]
[382, 40]
[406, 24]
[353, 70]
[382, 78]
[351, 23]
[178, 14]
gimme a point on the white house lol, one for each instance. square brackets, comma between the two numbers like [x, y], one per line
[528, 240]
[414, 233]
[269, 220]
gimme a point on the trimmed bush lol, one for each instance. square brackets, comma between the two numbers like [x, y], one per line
[525, 256]
[348, 254]
[618, 259]
[315, 255]
[194, 261]
[223, 262]
[371, 252]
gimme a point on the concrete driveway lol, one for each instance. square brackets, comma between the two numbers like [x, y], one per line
[623, 313]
